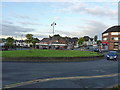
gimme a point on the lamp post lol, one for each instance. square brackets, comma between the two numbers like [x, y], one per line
[53, 24]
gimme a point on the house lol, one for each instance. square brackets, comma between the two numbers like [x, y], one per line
[22, 43]
[111, 38]
[72, 42]
[58, 42]
[44, 43]
[2, 42]
[52, 43]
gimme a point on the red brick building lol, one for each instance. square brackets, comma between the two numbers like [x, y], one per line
[57, 41]
[111, 38]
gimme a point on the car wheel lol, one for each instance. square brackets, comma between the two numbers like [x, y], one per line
[115, 59]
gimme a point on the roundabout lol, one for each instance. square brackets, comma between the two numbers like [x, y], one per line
[100, 73]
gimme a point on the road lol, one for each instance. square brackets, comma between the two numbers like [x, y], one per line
[84, 74]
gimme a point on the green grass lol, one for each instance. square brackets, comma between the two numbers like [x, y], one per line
[48, 53]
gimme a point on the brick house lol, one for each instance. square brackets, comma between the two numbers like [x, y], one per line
[57, 42]
[44, 43]
[48, 43]
[111, 38]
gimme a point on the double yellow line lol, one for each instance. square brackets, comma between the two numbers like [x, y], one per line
[59, 78]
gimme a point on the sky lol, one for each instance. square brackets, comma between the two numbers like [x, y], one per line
[73, 19]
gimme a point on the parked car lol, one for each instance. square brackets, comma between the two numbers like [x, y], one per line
[97, 50]
[87, 47]
[112, 55]
[4, 48]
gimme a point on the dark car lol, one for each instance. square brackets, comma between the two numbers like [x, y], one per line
[4, 48]
[112, 55]
[97, 50]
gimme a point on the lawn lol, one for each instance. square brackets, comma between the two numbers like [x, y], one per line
[48, 53]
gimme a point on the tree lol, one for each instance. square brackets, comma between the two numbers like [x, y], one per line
[91, 39]
[10, 41]
[57, 36]
[86, 38]
[29, 38]
[81, 40]
[99, 42]
[34, 41]
[95, 38]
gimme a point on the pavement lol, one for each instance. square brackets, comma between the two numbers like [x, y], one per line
[85, 74]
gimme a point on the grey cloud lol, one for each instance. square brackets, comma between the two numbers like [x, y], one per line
[57, 18]
[29, 23]
[95, 10]
[26, 23]
[61, 0]
[21, 16]
[24, 17]
[7, 22]
[40, 36]
[91, 29]
[101, 11]
[12, 30]
[69, 33]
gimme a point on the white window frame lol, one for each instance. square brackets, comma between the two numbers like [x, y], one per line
[114, 33]
[105, 34]
[105, 39]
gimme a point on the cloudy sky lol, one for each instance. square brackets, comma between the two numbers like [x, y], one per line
[73, 19]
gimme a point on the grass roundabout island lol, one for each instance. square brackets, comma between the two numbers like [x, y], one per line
[48, 55]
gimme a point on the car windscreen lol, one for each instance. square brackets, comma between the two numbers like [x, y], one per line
[112, 53]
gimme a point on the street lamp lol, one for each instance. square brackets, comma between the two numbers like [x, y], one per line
[53, 24]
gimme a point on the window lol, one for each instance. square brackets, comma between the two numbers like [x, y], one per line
[104, 39]
[105, 34]
[114, 38]
[115, 46]
[114, 33]
[116, 43]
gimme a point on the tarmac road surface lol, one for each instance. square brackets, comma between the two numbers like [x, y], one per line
[85, 74]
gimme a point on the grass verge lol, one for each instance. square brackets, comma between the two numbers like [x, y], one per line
[48, 53]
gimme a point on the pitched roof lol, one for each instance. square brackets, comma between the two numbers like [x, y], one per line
[113, 29]
[45, 40]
